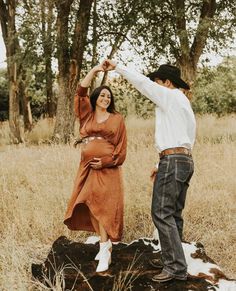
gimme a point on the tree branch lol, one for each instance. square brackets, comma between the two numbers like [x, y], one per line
[181, 26]
[200, 39]
[63, 11]
[80, 33]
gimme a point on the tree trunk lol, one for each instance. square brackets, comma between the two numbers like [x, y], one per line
[70, 64]
[48, 49]
[14, 108]
[7, 17]
[188, 57]
[95, 42]
[64, 117]
[80, 34]
[25, 104]
[188, 69]
[64, 128]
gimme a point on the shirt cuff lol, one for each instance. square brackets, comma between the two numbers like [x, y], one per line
[82, 91]
[120, 68]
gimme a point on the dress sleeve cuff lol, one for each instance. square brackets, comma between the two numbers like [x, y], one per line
[82, 91]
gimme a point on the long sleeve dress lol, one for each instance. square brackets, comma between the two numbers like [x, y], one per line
[98, 191]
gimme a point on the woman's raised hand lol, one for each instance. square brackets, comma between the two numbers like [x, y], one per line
[108, 65]
[91, 74]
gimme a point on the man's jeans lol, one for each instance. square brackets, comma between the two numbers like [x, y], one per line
[169, 194]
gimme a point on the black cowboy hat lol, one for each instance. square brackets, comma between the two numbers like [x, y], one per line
[169, 72]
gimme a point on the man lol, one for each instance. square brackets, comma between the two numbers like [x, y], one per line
[174, 138]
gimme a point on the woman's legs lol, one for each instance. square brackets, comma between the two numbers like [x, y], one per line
[105, 246]
[103, 233]
[99, 228]
[95, 223]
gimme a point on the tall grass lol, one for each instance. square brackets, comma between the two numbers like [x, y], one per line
[36, 182]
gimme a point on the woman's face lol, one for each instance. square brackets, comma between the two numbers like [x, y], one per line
[104, 99]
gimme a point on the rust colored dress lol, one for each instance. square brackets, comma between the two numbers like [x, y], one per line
[98, 191]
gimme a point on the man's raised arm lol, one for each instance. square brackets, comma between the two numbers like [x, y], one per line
[150, 89]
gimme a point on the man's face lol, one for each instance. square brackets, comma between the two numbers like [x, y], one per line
[160, 82]
[167, 83]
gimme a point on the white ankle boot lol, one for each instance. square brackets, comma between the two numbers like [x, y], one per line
[104, 257]
[100, 246]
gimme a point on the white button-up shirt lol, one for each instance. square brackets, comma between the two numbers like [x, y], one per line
[175, 122]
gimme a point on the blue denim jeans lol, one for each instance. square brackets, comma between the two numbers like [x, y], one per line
[169, 194]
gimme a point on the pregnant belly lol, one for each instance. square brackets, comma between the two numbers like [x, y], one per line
[96, 149]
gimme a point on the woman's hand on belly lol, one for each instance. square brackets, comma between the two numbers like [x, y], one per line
[96, 149]
[96, 163]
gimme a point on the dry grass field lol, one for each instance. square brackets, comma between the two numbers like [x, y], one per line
[36, 182]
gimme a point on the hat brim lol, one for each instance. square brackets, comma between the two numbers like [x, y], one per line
[178, 81]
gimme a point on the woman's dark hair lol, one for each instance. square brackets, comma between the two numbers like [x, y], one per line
[94, 96]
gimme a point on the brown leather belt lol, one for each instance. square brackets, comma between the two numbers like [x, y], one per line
[178, 150]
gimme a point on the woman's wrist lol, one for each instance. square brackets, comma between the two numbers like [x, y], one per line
[94, 70]
[97, 69]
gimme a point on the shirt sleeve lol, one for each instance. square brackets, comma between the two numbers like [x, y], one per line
[82, 106]
[118, 156]
[156, 93]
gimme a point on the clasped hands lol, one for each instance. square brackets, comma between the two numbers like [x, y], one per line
[106, 65]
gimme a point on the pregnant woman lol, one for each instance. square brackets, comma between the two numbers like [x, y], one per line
[97, 202]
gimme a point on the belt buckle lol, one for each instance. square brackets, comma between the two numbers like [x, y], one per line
[90, 138]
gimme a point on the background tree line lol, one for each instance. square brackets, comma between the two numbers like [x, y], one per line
[214, 92]
[77, 34]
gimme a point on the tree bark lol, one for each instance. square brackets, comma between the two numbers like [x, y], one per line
[14, 107]
[188, 56]
[70, 64]
[47, 19]
[64, 120]
[7, 16]
[80, 35]
[188, 69]
[95, 42]
[25, 103]
[207, 13]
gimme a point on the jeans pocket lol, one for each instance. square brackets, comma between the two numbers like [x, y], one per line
[163, 166]
[183, 170]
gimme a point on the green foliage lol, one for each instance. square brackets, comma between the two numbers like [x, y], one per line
[214, 92]
[150, 26]
[169, 31]
[215, 89]
[129, 101]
